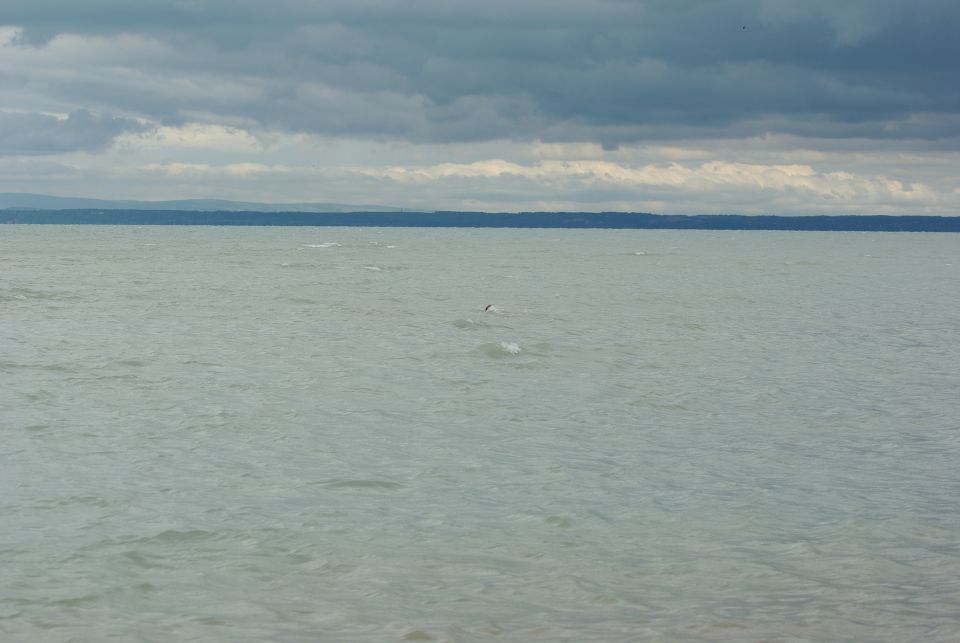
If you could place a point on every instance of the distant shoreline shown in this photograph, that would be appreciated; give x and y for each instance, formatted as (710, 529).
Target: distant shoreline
(567, 220)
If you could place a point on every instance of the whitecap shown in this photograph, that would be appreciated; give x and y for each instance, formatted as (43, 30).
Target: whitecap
(499, 350)
(329, 244)
(373, 268)
(510, 347)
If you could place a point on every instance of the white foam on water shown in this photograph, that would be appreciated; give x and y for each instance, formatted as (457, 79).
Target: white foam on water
(329, 244)
(510, 347)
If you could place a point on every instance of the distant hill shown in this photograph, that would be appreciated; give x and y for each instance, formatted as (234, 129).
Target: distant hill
(24, 201)
(624, 220)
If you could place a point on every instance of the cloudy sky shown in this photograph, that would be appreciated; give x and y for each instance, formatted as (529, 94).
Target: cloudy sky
(673, 106)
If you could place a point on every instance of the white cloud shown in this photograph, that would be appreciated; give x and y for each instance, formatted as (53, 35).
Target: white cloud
(801, 188)
(204, 170)
(9, 35)
(194, 136)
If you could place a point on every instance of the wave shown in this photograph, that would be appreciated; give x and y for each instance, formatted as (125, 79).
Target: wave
(20, 293)
(510, 347)
(474, 324)
(500, 349)
(345, 483)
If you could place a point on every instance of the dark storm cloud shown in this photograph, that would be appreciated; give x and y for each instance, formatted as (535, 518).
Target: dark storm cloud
(37, 134)
(613, 71)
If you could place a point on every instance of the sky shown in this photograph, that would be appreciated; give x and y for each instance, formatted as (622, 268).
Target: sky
(666, 106)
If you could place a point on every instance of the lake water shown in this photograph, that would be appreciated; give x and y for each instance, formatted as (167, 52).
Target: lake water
(318, 434)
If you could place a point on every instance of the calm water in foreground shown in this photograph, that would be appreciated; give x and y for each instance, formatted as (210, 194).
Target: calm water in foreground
(302, 434)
